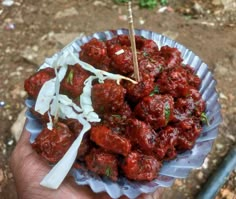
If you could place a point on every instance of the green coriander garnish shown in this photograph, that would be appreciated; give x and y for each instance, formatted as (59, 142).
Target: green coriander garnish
(167, 111)
(161, 67)
(155, 91)
(145, 54)
(108, 171)
(117, 116)
(70, 76)
(77, 99)
(204, 119)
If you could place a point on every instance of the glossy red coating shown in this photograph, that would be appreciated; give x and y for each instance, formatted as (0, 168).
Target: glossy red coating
(102, 163)
(141, 124)
(138, 166)
(53, 144)
(34, 83)
(73, 83)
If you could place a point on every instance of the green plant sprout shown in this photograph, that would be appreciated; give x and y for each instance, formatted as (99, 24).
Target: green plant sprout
(145, 3)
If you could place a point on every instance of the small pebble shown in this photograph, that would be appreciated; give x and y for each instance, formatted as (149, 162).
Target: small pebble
(10, 26)
(2, 103)
(214, 162)
(4, 151)
(231, 137)
(200, 175)
(20, 68)
(223, 96)
(35, 48)
(219, 146)
(7, 3)
(123, 17)
(141, 21)
(10, 142)
(6, 82)
(205, 163)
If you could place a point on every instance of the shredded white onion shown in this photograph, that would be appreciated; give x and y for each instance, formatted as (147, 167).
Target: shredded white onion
(119, 52)
(100, 74)
(48, 91)
(58, 173)
(56, 104)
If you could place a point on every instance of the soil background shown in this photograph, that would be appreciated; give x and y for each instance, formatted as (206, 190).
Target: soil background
(32, 30)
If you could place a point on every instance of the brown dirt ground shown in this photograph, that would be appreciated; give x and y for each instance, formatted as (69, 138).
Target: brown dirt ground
(40, 28)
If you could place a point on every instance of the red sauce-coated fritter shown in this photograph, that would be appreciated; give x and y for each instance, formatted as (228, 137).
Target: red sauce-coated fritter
(102, 163)
(35, 82)
(110, 141)
(174, 82)
(141, 125)
(95, 53)
(156, 110)
(108, 96)
(53, 144)
(138, 166)
(141, 89)
(141, 135)
(165, 143)
(73, 83)
(189, 129)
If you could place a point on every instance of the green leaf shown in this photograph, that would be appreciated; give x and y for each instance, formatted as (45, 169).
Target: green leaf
(70, 76)
(145, 54)
(77, 100)
(121, 1)
(117, 116)
(204, 119)
(147, 3)
(150, 4)
(164, 2)
(108, 171)
(167, 111)
(155, 91)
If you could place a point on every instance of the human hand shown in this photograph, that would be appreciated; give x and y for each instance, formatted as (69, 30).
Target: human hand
(29, 169)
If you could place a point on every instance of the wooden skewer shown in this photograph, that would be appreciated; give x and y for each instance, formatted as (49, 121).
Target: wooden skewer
(133, 44)
(57, 88)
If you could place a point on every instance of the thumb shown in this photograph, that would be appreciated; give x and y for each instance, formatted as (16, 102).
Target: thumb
(25, 136)
(24, 142)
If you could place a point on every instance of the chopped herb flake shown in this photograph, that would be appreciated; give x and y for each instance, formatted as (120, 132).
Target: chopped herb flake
(145, 54)
(70, 76)
(204, 119)
(77, 99)
(160, 67)
(108, 171)
(155, 91)
(117, 116)
(167, 111)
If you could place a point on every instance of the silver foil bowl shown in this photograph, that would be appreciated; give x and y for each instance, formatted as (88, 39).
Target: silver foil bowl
(177, 168)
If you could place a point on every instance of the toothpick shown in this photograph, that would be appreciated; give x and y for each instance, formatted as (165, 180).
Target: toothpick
(133, 44)
(57, 89)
